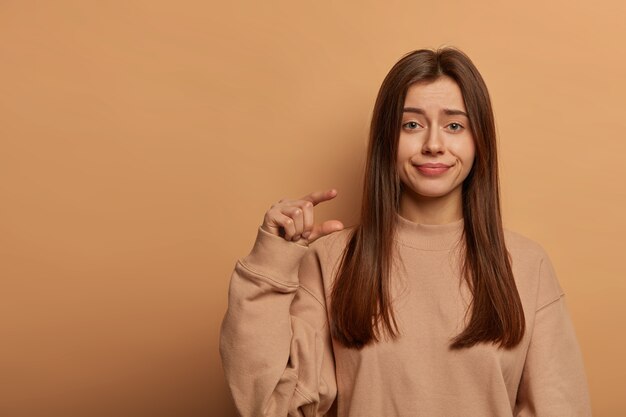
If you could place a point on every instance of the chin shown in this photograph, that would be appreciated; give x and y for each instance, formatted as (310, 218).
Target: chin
(432, 193)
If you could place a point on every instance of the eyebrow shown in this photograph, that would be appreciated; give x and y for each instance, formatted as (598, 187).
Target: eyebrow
(450, 112)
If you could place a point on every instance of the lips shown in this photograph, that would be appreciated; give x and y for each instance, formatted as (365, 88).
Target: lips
(432, 165)
(432, 169)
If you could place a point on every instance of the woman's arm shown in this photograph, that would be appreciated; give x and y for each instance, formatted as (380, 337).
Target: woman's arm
(274, 340)
(553, 381)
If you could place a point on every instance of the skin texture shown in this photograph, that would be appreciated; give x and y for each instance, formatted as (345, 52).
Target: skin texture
(434, 137)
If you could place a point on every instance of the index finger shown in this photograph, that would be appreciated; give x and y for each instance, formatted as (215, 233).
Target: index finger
(318, 196)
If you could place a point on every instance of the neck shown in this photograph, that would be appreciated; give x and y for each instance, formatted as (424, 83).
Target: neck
(431, 210)
(428, 236)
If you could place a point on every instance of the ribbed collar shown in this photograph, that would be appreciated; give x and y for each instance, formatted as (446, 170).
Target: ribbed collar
(428, 236)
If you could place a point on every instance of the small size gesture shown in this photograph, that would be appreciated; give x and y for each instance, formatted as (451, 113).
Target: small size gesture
(293, 219)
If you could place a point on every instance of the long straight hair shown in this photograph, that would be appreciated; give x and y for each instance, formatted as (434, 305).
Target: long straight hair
(360, 296)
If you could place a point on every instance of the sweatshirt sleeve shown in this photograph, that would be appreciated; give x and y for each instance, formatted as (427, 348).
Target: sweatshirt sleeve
(553, 381)
(275, 343)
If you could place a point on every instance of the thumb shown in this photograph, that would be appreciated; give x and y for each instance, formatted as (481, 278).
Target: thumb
(326, 228)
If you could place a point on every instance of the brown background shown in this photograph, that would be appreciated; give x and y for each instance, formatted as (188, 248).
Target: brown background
(142, 142)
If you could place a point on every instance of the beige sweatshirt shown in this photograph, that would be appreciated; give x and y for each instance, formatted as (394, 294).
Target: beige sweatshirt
(280, 360)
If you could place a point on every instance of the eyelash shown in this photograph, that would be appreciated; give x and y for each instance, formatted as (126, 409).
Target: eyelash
(453, 123)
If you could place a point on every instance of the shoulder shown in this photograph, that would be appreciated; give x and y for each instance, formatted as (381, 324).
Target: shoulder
(330, 248)
(527, 254)
(532, 267)
(338, 240)
(522, 246)
(333, 243)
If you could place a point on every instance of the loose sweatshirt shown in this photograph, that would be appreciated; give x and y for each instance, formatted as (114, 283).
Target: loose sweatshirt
(279, 358)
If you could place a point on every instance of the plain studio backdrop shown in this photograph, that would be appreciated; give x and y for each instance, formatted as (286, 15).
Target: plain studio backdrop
(141, 142)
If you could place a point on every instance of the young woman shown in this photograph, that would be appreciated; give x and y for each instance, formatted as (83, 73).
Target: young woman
(428, 306)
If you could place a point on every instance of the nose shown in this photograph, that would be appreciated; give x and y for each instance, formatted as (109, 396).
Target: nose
(434, 143)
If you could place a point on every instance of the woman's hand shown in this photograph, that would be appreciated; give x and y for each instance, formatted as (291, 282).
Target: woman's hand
(293, 219)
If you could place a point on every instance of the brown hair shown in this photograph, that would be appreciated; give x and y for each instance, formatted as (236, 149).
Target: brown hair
(360, 298)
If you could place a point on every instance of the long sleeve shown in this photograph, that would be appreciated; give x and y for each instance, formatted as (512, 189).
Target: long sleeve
(553, 381)
(275, 343)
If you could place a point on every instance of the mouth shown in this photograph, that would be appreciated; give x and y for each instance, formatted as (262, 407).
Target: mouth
(432, 170)
(432, 165)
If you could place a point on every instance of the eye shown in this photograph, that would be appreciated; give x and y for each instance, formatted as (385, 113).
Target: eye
(459, 127)
(412, 124)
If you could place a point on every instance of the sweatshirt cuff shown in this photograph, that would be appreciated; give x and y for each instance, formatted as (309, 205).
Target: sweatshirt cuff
(275, 257)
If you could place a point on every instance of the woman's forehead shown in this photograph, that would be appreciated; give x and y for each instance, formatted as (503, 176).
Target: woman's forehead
(435, 95)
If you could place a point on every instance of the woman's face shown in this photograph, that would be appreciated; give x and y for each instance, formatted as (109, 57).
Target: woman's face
(435, 130)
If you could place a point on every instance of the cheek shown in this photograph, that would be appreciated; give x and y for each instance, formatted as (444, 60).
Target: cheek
(465, 151)
(408, 146)
(468, 157)
(404, 152)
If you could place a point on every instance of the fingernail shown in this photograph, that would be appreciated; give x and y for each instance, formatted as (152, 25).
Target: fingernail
(306, 234)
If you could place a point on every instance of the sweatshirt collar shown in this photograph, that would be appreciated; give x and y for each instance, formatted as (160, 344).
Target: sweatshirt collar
(428, 236)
